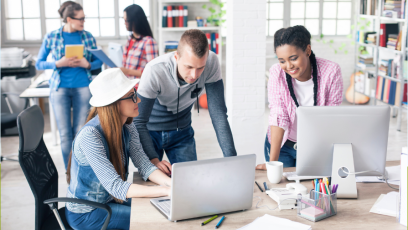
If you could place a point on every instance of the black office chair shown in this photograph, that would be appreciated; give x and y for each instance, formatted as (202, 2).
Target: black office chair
(41, 174)
(9, 120)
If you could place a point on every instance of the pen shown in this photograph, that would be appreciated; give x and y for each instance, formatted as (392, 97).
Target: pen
(219, 223)
(266, 187)
(258, 186)
(313, 183)
(209, 220)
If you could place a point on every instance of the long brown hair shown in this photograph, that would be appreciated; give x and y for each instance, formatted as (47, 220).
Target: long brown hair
(109, 118)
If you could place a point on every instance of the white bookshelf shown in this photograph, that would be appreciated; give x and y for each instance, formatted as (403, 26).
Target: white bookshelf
(377, 20)
(162, 31)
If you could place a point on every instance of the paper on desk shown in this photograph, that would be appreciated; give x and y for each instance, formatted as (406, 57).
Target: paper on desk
(386, 204)
(268, 222)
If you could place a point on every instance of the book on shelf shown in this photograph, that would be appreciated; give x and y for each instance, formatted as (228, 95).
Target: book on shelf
(368, 7)
(366, 67)
(175, 16)
(213, 41)
(389, 91)
(169, 16)
(386, 30)
(185, 14)
(170, 46)
(394, 9)
(164, 17)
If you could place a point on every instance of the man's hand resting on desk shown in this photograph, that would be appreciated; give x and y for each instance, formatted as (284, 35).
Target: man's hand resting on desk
(261, 167)
(164, 166)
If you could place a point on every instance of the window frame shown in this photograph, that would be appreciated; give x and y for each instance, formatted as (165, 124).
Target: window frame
(287, 9)
(5, 42)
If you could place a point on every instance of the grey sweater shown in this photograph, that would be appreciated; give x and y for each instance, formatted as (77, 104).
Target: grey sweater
(166, 105)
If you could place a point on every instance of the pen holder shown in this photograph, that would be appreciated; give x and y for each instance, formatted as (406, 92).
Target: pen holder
(317, 206)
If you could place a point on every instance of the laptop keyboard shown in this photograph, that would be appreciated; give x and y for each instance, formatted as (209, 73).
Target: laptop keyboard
(165, 205)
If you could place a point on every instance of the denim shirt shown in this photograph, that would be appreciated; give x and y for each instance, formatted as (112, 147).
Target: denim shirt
(84, 183)
(55, 42)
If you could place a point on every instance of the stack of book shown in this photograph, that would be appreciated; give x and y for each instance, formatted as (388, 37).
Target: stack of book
(394, 9)
(371, 39)
(365, 62)
(174, 16)
(170, 46)
(385, 67)
(213, 41)
(392, 41)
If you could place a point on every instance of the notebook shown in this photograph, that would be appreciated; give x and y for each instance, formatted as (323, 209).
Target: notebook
(74, 51)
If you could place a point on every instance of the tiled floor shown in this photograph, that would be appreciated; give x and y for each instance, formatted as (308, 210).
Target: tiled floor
(17, 201)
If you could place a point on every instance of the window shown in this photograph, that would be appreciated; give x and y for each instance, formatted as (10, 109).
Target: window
(30, 20)
(22, 19)
(327, 17)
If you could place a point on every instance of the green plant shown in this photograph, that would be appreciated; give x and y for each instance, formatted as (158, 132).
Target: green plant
(217, 13)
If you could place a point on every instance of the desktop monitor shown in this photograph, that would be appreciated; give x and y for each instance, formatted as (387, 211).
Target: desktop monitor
(319, 128)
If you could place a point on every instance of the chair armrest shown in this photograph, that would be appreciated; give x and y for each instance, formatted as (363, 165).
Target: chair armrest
(105, 207)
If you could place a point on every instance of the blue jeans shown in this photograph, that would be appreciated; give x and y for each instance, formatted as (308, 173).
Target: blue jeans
(62, 101)
(120, 218)
(287, 154)
(179, 145)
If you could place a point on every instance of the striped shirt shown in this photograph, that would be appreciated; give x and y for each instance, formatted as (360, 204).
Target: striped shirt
(283, 108)
(139, 54)
(89, 144)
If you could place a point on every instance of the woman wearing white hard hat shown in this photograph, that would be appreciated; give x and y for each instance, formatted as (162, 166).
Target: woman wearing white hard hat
(99, 161)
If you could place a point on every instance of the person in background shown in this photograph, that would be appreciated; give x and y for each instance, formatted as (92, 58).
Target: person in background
(69, 83)
(99, 162)
(299, 79)
(141, 47)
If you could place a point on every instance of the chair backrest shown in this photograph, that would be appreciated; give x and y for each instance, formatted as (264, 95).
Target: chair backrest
(36, 162)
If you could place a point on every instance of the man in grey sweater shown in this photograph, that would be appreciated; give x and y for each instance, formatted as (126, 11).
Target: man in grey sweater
(169, 86)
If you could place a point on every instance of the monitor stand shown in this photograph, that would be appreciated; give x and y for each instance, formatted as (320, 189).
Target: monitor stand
(343, 157)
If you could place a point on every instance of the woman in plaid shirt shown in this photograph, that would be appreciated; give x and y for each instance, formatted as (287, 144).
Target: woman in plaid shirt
(69, 83)
(141, 47)
(299, 79)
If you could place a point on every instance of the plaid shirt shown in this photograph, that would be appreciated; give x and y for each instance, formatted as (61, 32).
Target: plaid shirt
(55, 43)
(283, 108)
(137, 56)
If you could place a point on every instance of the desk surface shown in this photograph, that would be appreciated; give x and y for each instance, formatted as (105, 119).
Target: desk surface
(351, 213)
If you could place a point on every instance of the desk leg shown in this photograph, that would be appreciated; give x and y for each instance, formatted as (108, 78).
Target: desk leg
(53, 124)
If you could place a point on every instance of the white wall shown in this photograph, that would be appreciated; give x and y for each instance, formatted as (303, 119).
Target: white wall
(245, 75)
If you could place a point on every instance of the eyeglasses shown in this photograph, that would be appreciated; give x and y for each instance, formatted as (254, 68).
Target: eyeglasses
(133, 97)
(79, 19)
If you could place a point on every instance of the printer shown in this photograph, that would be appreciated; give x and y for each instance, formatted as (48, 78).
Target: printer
(11, 57)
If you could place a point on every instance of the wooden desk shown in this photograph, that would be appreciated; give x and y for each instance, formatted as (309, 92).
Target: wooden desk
(351, 213)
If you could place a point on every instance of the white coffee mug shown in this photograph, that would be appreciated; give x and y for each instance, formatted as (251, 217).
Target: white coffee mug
(274, 171)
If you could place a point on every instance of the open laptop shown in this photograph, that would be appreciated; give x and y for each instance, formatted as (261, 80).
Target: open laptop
(209, 187)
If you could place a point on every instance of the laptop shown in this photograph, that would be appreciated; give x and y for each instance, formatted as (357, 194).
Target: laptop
(209, 187)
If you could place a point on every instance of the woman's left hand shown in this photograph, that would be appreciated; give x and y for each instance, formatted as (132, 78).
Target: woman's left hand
(84, 63)
(125, 70)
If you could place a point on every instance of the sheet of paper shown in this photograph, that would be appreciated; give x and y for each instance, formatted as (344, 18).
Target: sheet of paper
(386, 204)
(268, 222)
